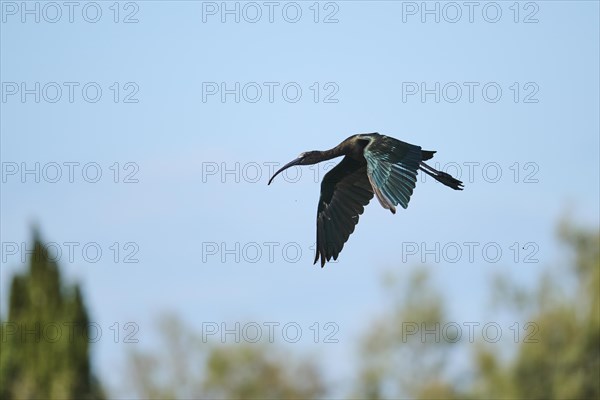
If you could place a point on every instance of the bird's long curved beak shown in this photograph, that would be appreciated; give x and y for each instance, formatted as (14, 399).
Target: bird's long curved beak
(286, 166)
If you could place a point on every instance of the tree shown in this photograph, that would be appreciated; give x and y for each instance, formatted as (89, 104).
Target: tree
(563, 361)
(399, 358)
(188, 367)
(45, 346)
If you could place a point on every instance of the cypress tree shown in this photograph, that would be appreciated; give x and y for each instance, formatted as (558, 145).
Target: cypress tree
(44, 342)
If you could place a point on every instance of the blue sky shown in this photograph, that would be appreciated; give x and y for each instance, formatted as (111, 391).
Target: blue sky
(540, 133)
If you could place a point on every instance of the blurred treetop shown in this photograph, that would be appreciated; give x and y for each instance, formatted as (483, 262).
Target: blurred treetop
(45, 342)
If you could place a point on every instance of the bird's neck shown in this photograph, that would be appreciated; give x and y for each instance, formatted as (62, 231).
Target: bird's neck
(331, 153)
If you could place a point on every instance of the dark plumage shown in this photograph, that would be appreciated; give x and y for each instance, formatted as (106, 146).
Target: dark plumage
(374, 164)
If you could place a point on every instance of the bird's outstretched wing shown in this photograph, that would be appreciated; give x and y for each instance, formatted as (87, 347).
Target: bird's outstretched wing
(345, 191)
(392, 167)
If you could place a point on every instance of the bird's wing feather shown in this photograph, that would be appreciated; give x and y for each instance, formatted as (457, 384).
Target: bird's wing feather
(345, 191)
(392, 167)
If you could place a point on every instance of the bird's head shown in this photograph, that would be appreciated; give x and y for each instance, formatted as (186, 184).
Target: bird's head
(306, 158)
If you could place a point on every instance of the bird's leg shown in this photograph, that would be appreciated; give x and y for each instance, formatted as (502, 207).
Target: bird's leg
(425, 166)
(427, 172)
(441, 177)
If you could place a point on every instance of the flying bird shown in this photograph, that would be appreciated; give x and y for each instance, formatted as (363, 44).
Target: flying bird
(373, 164)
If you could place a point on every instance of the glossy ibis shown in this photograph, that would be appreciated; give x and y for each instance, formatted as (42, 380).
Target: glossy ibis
(373, 164)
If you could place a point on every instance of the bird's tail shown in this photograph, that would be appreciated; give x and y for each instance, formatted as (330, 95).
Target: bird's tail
(442, 177)
(427, 154)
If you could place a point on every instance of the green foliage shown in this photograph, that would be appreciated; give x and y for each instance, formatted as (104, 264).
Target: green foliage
(395, 361)
(562, 363)
(189, 368)
(45, 351)
(251, 372)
